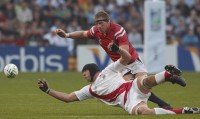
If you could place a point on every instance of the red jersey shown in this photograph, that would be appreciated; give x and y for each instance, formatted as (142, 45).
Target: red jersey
(116, 34)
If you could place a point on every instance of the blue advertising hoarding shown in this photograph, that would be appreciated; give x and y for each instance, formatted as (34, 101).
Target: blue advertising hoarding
(35, 59)
(44, 59)
(189, 58)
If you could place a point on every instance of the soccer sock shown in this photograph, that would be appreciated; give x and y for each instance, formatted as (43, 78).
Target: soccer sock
(177, 111)
(157, 100)
(159, 111)
(166, 111)
(160, 77)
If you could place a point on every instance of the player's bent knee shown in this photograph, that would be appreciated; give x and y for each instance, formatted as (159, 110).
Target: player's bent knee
(142, 110)
(141, 87)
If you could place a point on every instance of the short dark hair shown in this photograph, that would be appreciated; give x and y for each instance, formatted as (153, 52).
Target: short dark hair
(102, 14)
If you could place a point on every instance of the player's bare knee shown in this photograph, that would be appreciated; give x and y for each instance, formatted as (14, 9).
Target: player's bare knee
(143, 110)
(148, 82)
(140, 110)
(142, 86)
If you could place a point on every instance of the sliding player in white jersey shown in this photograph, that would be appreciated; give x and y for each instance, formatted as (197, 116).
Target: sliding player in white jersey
(109, 87)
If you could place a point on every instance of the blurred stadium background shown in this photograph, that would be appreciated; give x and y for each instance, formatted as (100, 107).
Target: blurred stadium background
(27, 40)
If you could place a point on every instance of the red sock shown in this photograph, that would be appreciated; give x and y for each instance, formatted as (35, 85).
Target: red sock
(167, 74)
(162, 76)
(177, 111)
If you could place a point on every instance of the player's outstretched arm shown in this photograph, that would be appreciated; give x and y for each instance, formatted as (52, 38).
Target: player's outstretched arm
(74, 35)
(125, 56)
(56, 94)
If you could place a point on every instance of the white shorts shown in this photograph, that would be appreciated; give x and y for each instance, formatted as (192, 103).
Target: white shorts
(135, 67)
(134, 97)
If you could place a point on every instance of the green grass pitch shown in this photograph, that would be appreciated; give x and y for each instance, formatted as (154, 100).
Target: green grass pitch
(20, 98)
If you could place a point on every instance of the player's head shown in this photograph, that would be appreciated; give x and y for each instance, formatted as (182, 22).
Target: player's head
(102, 16)
(92, 68)
(102, 21)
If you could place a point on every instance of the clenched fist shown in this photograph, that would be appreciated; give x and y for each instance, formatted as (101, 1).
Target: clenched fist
(61, 33)
(113, 47)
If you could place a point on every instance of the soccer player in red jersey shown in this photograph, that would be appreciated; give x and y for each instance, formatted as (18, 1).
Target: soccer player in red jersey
(106, 32)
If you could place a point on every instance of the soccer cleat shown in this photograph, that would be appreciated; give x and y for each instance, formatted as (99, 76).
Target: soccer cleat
(175, 78)
(173, 70)
(178, 80)
(191, 110)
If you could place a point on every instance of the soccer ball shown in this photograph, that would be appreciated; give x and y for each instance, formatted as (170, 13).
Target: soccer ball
(11, 70)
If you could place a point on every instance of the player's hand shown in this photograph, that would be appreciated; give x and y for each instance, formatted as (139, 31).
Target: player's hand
(61, 33)
(43, 86)
(113, 47)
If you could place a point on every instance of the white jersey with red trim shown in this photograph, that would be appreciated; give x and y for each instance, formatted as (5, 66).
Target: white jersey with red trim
(109, 87)
(112, 89)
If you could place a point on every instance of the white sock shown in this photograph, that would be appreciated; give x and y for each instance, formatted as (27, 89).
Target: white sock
(159, 111)
(160, 77)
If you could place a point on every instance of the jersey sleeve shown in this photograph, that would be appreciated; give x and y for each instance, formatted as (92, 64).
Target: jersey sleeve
(83, 93)
(121, 36)
(115, 66)
(90, 33)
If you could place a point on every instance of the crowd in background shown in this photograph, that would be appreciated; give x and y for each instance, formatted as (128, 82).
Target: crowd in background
(32, 22)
